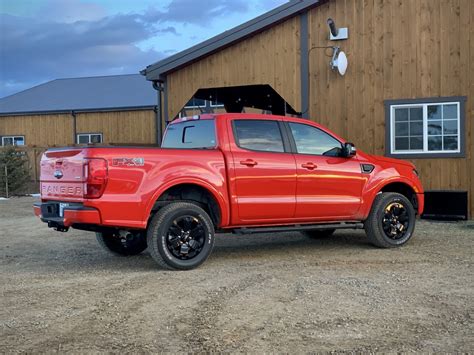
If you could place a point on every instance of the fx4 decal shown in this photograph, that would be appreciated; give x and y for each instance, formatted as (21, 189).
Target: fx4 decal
(128, 161)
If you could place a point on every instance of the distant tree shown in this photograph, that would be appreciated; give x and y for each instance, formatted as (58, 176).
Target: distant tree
(17, 174)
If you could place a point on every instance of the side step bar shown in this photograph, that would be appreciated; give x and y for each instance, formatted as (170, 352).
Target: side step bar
(299, 227)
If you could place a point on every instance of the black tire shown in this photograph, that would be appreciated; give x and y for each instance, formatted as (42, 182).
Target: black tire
(391, 221)
(180, 236)
(319, 233)
(122, 244)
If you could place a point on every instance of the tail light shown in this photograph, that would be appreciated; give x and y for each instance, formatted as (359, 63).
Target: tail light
(96, 175)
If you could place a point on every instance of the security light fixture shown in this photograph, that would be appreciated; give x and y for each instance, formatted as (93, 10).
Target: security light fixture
(337, 34)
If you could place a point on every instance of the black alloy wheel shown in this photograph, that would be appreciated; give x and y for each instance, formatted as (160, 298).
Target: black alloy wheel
(180, 236)
(395, 221)
(185, 238)
(391, 221)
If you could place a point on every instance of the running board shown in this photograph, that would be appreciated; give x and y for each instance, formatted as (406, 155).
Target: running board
(299, 227)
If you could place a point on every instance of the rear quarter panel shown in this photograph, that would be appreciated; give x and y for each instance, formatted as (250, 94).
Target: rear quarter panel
(132, 190)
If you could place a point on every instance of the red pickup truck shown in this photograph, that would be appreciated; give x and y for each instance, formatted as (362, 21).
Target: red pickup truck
(240, 173)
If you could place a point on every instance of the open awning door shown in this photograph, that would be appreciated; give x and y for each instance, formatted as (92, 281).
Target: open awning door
(236, 98)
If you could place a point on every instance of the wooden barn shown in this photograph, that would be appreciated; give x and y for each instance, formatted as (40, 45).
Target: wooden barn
(117, 110)
(109, 109)
(407, 92)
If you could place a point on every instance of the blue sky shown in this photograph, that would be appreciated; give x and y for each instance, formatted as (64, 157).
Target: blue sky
(41, 40)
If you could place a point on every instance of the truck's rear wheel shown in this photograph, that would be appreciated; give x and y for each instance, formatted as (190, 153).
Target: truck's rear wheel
(180, 236)
(122, 244)
(391, 221)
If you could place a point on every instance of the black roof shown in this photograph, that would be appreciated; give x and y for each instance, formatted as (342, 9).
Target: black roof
(117, 92)
(158, 70)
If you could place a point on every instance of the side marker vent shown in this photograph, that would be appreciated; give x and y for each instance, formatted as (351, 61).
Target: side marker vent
(367, 168)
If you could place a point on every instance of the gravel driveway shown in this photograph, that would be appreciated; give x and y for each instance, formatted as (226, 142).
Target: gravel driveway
(258, 293)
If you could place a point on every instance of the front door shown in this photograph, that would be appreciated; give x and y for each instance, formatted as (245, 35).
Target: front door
(328, 186)
(265, 171)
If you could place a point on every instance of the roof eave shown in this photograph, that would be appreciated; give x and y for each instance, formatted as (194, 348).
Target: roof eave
(84, 110)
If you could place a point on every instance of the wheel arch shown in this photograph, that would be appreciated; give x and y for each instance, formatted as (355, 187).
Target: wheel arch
(193, 190)
(404, 189)
(398, 185)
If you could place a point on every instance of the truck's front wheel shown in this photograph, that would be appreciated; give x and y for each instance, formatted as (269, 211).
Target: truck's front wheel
(391, 221)
(180, 236)
(126, 244)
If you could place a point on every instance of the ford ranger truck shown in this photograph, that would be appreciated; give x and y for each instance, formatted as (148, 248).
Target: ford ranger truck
(241, 173)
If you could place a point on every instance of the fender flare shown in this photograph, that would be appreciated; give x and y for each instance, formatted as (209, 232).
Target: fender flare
(374, 190)
(222, 203)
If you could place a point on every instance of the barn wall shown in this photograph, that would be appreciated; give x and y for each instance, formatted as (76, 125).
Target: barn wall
(39, 130)
(396, 50)
(271, 57)
(128, 127)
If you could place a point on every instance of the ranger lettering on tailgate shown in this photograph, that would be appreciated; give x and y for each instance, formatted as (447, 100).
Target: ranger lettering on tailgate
(61, 189)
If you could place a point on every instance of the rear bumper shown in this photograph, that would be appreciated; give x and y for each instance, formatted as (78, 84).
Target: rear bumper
(66, 216)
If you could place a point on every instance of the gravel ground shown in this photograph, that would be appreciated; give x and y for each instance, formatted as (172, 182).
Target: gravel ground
(258, 293)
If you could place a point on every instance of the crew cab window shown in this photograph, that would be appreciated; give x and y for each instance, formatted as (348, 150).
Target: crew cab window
(195, 134)
(311, 140)
(261, 135)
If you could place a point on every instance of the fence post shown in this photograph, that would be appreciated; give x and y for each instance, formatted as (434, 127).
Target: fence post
(6, 181)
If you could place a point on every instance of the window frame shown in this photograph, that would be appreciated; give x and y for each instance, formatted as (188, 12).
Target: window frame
(192, 107)
(295, 147)
(13, 136)
(90, 134)
(283, 133)
(390, 106)
(215, 147)
(215, 105)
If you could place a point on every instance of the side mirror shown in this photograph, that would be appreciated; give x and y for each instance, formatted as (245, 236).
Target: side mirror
(348, 150)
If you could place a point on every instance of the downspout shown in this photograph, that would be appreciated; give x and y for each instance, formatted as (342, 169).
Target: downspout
(158, 112)
(74, 127)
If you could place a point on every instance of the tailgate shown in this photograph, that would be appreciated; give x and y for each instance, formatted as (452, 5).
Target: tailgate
(62, 175)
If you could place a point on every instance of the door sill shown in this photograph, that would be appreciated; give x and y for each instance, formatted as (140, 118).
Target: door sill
(299, 227)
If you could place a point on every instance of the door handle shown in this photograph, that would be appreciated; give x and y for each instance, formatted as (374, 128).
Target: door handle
(309, 166)
(249, 162)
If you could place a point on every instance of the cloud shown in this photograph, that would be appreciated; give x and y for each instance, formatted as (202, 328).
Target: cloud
(72, 38)
(69, 11)
(196, 12)
(35, 50)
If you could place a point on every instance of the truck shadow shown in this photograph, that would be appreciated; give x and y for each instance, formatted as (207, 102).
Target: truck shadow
(229, 246)
(85, 254)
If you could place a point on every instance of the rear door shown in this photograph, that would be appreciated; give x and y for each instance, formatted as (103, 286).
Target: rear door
(328, 186)
(265, 171)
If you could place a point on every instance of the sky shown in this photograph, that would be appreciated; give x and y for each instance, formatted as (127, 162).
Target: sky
(42, 40)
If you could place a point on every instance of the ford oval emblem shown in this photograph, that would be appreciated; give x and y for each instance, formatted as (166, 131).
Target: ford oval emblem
(58, 174)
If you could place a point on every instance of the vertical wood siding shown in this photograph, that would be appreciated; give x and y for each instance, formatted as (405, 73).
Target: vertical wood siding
(271, 57)
(39, 130)
(127, 127)
(397, 49)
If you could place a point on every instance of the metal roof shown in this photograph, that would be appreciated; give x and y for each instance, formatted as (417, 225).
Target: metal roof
(98, 93)
(158, 70)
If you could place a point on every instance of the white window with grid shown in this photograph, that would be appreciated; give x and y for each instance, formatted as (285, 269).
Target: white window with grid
(13, 140)
(431, 128)
(89, 138)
